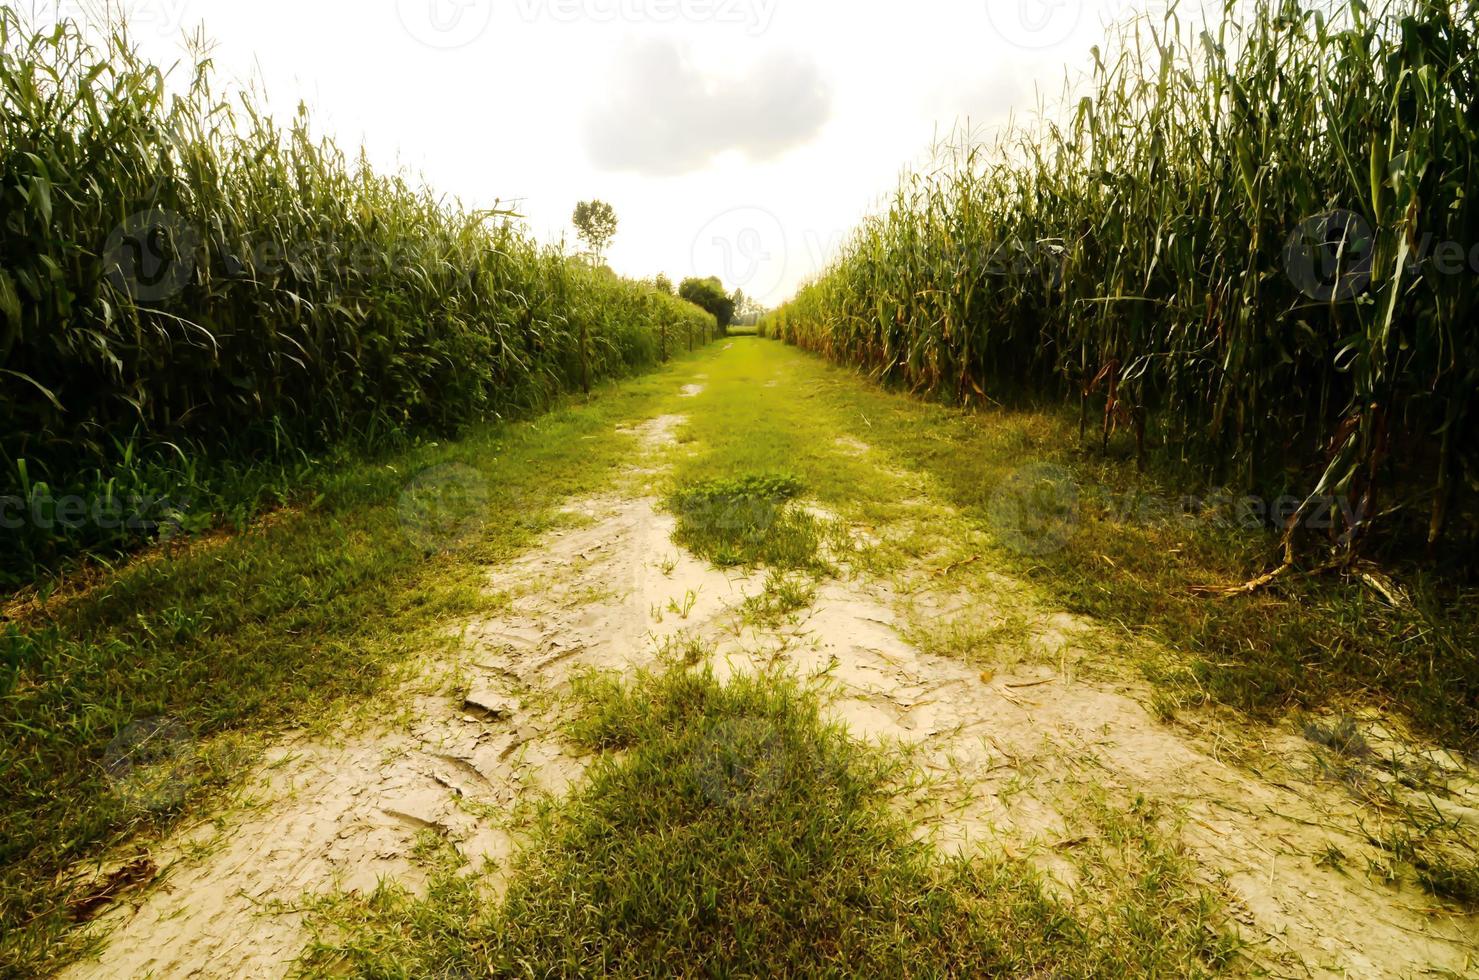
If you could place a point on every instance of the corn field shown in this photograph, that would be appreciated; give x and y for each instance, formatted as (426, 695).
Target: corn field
(1253, 243)
(181, 275)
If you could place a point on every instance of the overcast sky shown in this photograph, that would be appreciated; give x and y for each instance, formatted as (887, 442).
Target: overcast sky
(740, 138)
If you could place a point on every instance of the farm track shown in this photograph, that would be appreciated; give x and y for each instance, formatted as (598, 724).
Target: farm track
(1007, 756)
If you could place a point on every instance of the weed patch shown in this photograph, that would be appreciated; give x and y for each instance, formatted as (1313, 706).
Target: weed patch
(746, 521)
(782, 596)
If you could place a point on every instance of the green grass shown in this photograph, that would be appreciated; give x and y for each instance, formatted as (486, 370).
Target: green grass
(1106, 542)
(746, 521)
(1113, 546)
(320, 608)
(1120, 553)
(293, 622)
(704, 841)
(726, 830)
(781, 597)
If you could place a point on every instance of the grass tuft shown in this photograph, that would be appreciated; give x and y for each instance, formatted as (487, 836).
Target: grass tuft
(746, 521)
(1341, 736)
(782, 596)
(735, 833)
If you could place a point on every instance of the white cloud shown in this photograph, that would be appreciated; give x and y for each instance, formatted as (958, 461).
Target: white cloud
(665, 115)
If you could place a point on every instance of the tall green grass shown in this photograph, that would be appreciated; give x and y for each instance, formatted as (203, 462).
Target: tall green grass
(290, 297)
(1164, 252)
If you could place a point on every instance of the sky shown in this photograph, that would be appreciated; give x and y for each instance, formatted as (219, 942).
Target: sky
(737, 138)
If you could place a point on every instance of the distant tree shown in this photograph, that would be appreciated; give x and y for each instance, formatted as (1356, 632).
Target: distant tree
(748, 307)
(747, 312)
(709, 293)
(595, 223)
(663, 284)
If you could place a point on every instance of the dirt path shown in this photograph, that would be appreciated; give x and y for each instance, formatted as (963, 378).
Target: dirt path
(1009, 751)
